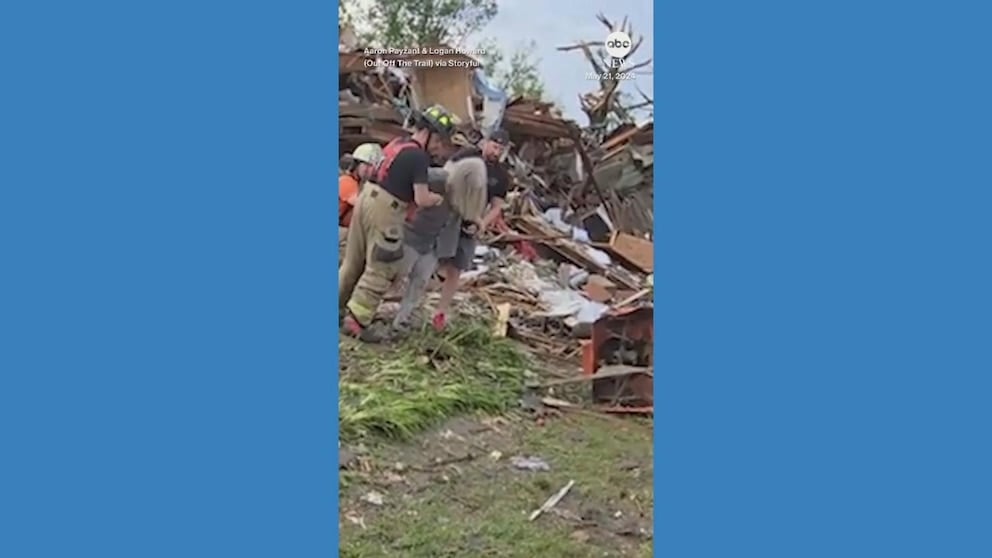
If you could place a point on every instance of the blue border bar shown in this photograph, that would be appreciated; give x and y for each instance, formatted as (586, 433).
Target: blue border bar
(823, 286)
(168, 343)
(167, 360)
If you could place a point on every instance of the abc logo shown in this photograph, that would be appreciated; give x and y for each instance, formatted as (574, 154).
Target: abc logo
(618, 44)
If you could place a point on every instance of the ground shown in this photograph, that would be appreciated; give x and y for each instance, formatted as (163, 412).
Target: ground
(433, 434)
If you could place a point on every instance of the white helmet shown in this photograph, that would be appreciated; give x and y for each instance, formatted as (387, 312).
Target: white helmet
(369, 153)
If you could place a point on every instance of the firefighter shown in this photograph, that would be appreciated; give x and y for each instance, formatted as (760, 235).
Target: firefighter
(457, 251)
(356, 168)
(374, 249)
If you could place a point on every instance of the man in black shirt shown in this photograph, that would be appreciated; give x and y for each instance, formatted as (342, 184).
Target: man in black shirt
(456, 255)
(374, 247)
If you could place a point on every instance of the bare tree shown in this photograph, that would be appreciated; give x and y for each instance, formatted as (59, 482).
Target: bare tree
(609, 104)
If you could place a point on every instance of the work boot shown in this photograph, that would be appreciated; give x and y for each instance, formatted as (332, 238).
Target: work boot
(352, 328)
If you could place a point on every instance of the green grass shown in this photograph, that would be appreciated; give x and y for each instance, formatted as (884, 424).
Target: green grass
(397, 391)
(391, 395)
(483, 511)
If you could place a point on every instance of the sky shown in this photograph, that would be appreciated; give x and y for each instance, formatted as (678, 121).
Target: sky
(554, 24)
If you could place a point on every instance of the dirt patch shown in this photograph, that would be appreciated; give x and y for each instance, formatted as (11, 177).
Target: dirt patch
(460, 490)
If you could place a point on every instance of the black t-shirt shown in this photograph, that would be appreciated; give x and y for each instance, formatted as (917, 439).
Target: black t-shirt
(408, 168)
(498, 180)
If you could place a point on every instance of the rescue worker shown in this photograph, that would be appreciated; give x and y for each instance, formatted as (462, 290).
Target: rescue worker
(356, 169)
(374, 249)
(463, 184)
(457, 252)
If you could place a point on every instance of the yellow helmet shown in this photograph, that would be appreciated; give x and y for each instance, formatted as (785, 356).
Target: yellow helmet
(370, 153)
(439, 120)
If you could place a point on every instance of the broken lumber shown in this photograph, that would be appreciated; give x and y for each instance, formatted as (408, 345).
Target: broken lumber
(638, 251)
(552, 501)
(502, 320)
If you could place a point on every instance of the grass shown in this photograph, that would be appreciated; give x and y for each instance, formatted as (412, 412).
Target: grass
(392, 395)
(395, 392)
(482, 510)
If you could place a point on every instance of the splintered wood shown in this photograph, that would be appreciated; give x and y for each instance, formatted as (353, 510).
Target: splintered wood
(637, 251)
(574, 252)
(517, 315)
(552, 501)
(502, 319)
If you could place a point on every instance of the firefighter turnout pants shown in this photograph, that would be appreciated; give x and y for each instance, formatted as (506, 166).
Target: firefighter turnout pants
(373, 254)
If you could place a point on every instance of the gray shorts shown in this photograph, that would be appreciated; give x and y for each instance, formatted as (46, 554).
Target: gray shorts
(454, 248)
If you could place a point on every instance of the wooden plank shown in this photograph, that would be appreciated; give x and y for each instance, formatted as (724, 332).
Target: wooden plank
(447, 86)
(609, 371)
(619, 139)
(637, 251)
(502, 319)
(370, 111)
(632, 298)
(352, 122)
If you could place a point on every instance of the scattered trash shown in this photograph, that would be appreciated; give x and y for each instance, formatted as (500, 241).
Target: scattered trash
(496, 455)
(374, 498)
(482, 250)
(355, 520)
(530, 463)
(393, 478)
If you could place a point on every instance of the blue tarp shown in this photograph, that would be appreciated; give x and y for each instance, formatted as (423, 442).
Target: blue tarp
(493, 104)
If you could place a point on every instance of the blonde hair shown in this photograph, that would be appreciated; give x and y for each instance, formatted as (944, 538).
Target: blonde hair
(466, 188)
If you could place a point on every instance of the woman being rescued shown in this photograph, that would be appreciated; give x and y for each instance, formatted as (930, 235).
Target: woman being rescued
(432, 232)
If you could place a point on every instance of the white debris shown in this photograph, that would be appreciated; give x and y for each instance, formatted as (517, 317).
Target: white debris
(374, 498)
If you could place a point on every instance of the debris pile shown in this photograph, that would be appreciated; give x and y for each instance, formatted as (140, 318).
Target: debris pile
(575, 243)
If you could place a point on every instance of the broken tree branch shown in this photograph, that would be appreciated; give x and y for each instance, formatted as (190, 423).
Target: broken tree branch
(577, 46)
